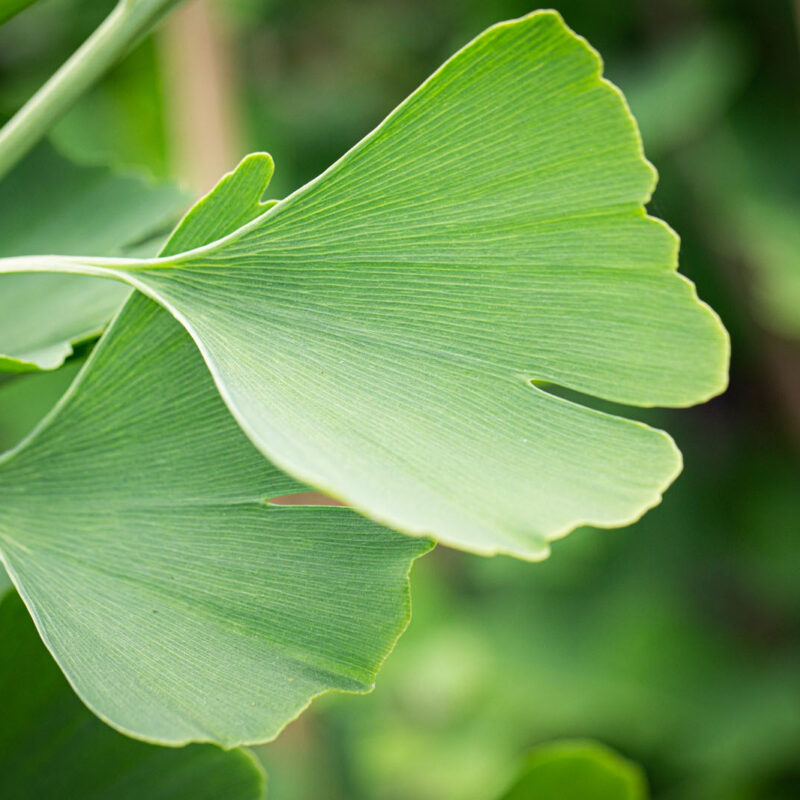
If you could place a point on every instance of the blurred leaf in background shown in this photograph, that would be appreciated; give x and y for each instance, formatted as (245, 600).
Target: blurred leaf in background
(750, 179)
(25, 400)
(681, 90)
(575, 770)
(8, 8)
(51, 205)
(53, 747)
(119, 122)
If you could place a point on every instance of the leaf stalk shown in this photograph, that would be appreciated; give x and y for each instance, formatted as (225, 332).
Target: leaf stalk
(103, 267)
(121, 28)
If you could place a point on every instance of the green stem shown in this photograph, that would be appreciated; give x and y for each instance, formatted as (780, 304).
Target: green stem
(82, 265)
(128, 20)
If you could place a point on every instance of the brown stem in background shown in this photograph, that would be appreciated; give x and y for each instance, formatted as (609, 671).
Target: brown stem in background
(797, 18)
(304, 499)
(200, 92)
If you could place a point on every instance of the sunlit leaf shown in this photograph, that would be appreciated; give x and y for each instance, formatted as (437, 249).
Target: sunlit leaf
(51, 746)
(388, 332)
(135, 524)
(578, 771)
(50, 205)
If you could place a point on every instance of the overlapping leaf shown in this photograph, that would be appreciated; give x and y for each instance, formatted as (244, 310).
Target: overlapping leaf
(135, 524)
(51, 205)
(387, 332)
(51, 747)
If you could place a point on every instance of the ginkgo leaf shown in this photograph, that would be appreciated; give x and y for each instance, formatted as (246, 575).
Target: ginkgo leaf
(42, 317)
(134, 522)
(387, 332)
(51, 205)
(52, 747)
(578, 770)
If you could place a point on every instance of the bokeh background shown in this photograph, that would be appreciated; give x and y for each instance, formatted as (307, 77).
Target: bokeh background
(677, 640)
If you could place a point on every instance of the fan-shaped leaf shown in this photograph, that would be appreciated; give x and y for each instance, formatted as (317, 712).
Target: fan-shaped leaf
(387, 332)
(135, 524)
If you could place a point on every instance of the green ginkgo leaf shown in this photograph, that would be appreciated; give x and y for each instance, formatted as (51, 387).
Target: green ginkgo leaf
(387, 332)
(578, 770)
(134, 522)
(51, 205)
(42, 317)
(53, 748)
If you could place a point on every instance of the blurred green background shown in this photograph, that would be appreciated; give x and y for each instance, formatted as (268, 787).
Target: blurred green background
(675, 641)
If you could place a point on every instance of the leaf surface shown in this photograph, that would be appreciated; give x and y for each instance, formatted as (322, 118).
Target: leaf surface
(51, 746)
(51, 205)
(135, 524)
(388, 332)
(576, 770)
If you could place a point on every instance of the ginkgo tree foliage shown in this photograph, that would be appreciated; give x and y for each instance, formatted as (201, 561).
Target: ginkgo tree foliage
(141, 537)
(394, 333)
(395, 314)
